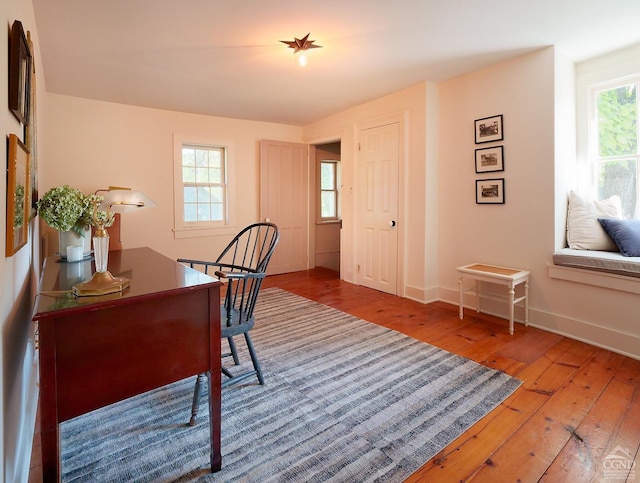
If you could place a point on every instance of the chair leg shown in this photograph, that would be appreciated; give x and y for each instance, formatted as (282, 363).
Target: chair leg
(195, 405)
(254, 358)
(234, 351)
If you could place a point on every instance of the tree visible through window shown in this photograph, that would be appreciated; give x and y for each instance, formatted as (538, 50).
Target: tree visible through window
(614, 146)
(203, 180)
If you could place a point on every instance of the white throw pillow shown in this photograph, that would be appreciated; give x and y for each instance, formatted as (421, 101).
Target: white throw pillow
(584, 231)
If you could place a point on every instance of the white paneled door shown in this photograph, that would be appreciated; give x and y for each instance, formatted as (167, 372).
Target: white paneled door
(377, 238)
(284, 200)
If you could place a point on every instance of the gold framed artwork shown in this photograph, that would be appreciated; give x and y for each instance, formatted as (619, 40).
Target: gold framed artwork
(18, 195)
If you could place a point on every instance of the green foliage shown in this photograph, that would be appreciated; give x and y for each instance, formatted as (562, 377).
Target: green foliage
(18, 220)
(617, 118)
(65, 208)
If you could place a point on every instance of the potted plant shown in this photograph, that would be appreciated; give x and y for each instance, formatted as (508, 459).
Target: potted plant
(72, 213)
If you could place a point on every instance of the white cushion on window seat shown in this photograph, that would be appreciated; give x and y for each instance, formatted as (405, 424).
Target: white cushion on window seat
(601, 261)
(584, 232)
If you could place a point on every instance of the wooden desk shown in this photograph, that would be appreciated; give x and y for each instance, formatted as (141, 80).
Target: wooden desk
(95, 351)
(510, 277)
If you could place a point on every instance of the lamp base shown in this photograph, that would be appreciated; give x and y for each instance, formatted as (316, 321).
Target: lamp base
(101, 283)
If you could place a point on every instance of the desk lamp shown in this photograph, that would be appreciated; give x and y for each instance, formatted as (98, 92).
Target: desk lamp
(117, 200)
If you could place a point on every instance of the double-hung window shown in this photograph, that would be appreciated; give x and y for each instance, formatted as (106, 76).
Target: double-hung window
(203, 183)
(202, 188)
(614, 154)
(329, 195)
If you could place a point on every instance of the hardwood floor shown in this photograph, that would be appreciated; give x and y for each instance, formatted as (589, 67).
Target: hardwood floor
(578, 404)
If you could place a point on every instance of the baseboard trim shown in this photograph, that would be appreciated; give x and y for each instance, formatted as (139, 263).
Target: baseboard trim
(596, 335)
(422, 295)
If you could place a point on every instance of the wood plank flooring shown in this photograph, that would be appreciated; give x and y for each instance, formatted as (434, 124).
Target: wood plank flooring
(578, 404)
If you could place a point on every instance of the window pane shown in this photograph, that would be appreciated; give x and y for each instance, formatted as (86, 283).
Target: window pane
(204, 194)
(217, 212)
(202, 175)
(188, 175)
(201, 157)
(619, 178)
(190, 194)
(215, 158)
(217, 194)
(328, 200)
(204, 212)
(190, 212)
(617, 118)
(327, 176)
(215, 175)
(188, 157)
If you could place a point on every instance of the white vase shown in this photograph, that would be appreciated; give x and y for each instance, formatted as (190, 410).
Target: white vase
(71, 238)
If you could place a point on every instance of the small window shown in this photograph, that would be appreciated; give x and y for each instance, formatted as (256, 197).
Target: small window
(203, 188)
(329, 182)
(203, 181)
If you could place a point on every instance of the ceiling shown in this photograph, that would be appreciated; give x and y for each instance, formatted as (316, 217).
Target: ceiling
(224, 57)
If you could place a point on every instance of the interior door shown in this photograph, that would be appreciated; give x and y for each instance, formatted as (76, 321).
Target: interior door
(284, 200)
(377, 238)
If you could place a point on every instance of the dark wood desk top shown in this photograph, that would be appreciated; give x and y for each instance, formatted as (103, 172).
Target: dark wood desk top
(150, 273)
(95, 351)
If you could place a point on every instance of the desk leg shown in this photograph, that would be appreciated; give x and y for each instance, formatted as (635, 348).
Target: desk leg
(50, 445)
(49, 431)
(460, 296)
(215, 408)
(511, 307)
(478, 296)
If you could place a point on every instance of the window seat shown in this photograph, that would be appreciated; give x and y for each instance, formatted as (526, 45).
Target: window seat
(601, 261)
(604, 269)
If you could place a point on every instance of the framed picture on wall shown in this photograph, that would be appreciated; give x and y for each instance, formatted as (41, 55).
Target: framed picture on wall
(490, 191)
(488, 129)
(490, 159)
(18, 204)
(19, 74)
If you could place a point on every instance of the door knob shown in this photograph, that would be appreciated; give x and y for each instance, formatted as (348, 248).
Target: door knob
(392, 223)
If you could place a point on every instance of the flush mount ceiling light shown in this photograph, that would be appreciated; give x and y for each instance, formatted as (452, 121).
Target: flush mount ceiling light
(300, 47)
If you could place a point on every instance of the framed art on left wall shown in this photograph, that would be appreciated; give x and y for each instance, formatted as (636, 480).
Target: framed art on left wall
(20, 60)
(18, 194)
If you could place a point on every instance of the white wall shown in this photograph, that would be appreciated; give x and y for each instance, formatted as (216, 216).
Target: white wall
(519, 233)
(535, 94)
(92, 144)
(411, 106)
(18, 275)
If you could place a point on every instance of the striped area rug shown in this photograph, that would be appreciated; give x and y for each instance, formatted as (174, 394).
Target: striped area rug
(345, 400)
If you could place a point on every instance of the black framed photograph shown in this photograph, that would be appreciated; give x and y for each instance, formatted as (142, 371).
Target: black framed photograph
(18, 204)
(490, 159)
(490, 191)
(19, 73)
(489, 129)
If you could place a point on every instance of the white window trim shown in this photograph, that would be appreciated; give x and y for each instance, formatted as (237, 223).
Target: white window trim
(600, 70)
(202, 229)
(319, 218)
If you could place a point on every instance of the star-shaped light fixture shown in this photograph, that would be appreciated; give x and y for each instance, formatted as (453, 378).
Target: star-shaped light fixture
(300, 46)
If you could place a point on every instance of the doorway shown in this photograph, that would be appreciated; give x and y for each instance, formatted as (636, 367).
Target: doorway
(328, 219)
